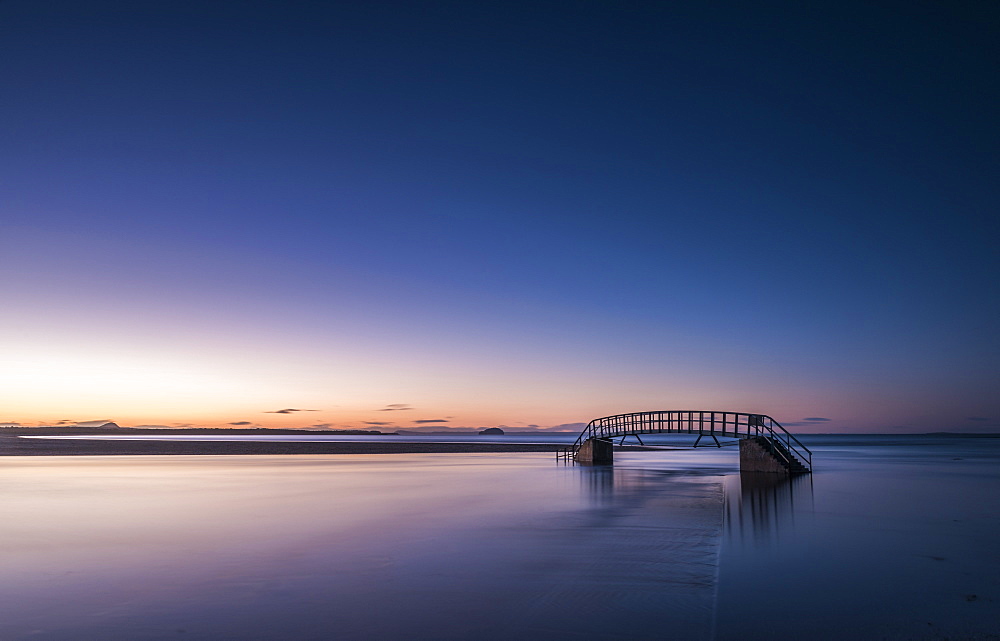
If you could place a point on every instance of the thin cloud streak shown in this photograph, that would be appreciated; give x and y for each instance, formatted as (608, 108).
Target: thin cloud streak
(395, 407)
(289, 411)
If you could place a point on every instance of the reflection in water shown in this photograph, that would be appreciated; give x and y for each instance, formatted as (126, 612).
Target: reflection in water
(353, 547)
(605, 484)
(899, 545)
(889, 539)
(760, 506)
(597, 482)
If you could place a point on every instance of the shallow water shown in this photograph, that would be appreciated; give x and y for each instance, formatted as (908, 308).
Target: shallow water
(890, 538)
(883, 541)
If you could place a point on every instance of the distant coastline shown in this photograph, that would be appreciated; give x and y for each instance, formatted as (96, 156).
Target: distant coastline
(11, 443)
(57, 430)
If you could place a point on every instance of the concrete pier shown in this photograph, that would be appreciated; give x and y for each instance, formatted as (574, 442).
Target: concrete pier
(595, 452)
(765, 446)
(754, 457)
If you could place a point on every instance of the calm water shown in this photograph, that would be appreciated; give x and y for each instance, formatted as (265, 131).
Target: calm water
(890, 538)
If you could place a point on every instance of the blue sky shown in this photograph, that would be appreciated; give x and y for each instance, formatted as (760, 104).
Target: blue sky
(506, 215)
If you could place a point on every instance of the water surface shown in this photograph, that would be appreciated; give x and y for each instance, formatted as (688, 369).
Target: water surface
(352, 547)
(890, 538)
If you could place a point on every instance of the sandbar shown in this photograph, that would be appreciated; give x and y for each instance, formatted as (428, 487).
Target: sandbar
(14, 446)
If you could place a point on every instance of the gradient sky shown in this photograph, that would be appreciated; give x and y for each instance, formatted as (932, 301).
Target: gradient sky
(519, 214)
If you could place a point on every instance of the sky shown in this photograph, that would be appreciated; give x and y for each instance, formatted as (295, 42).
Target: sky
(475, 214)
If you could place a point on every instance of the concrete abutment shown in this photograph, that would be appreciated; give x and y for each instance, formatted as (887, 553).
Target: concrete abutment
(754, 457)
(596, 451)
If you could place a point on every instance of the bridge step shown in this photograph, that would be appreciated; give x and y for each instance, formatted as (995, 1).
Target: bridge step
(779, 455)
(765, 446)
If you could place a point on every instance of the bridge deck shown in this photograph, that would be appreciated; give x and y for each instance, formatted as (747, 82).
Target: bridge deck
(760, 427)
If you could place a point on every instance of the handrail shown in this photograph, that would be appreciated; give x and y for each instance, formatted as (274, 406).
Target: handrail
(697, 422)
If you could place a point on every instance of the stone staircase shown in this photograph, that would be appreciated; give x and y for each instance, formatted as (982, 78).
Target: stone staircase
(788, 461)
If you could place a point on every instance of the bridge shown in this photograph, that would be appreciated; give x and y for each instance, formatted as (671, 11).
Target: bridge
(765, 446)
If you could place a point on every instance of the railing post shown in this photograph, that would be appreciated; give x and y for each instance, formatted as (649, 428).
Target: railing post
(779, 439)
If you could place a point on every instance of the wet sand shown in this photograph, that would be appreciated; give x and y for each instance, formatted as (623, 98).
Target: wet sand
(14, 446)
(422, 547)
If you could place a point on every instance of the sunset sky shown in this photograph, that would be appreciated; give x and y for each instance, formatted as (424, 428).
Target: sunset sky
(471, 214)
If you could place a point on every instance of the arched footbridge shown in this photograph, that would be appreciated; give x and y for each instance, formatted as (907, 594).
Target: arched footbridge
(765, 446)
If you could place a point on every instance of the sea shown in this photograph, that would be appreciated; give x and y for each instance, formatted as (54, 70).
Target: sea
(891, 537)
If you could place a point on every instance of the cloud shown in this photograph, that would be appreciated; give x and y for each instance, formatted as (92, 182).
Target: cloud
(431, 420)
(377, 422)
(567, 427)
(437, 427)
(977, 418)
(289, 411)
(319, 426)
(240, 423)
(183, 424)
(9, 424)
(816, 419)
(395, 407)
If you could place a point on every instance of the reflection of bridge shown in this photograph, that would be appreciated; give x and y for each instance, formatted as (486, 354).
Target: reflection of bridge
(765, 446)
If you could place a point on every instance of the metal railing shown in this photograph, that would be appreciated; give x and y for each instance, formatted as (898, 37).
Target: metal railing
(780, 441)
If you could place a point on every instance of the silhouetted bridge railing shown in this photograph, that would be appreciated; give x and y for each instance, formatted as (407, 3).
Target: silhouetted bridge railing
(765, 446)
